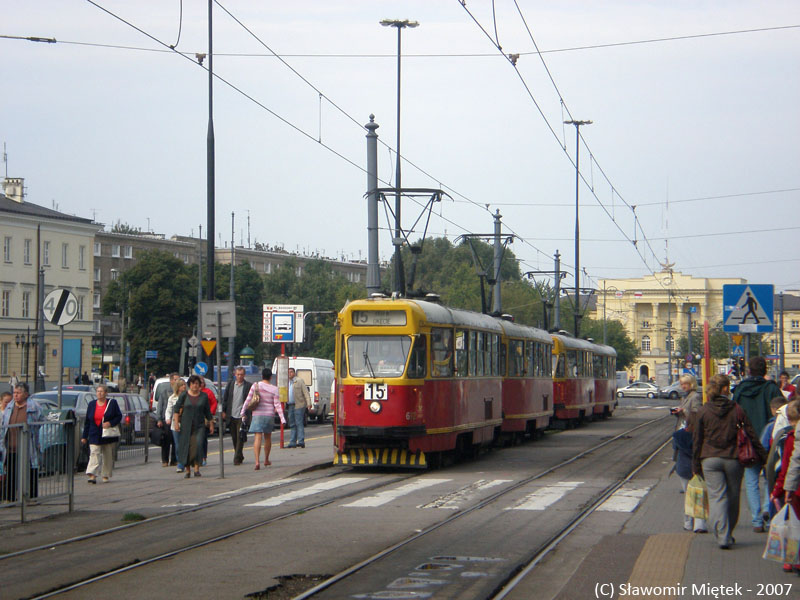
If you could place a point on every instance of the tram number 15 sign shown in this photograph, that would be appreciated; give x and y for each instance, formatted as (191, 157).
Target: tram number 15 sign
(375, 391)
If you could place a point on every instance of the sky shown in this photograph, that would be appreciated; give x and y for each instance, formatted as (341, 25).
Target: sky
(691, 157)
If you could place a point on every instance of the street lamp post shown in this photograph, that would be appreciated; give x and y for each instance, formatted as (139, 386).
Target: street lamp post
(399, 277)
(577, 226)
(24, 340)
(606, 289)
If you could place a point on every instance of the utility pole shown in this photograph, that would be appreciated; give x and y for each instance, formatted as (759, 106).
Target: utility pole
(577, 125)
(373, 268)
(210, 165)
(498, 257)
(781, 353)
(557, 301)
(232, 340)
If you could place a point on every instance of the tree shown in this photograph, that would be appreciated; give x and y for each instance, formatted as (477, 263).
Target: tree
(158, 296)
(248, 288)
(120, 227)
(617, 338)
(717, 340)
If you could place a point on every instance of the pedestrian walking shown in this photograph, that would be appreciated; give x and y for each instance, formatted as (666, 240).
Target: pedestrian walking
(13, 380)
(715, 456)
(22, 410)
(787, 389)
(232, 402)
(101, 432)
(168, 448)
(754, 394)
(263, 415)
(193, 412)
(178, 387)
(212, 403)
(691, 403)
(296, 405)
(778, 492)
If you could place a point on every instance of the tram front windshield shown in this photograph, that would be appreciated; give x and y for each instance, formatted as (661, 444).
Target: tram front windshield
(378, 355)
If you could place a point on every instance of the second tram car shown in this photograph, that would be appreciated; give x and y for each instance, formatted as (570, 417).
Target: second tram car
(528, 382)
(573, 384)
(414, 378)
(604, 369)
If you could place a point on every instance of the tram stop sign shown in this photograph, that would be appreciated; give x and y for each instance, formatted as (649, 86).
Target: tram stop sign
(60, 307)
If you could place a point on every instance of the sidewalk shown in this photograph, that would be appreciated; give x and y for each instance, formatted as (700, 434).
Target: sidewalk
(648, 555)
(150, 489)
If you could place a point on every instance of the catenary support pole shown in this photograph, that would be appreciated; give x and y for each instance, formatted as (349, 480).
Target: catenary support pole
(218, 416)
(373, 268)
(498, 255)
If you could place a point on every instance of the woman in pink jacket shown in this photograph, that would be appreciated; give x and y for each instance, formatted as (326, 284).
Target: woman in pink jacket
(263, 415)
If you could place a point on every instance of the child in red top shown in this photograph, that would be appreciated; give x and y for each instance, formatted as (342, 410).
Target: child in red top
(793, 414)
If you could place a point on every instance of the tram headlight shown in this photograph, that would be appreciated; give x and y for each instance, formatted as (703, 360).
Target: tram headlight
(375, 407)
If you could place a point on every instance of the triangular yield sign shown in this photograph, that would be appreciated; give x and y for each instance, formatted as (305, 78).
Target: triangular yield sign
(208, 346)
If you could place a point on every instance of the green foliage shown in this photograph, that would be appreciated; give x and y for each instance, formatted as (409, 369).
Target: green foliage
(159, 296)
(318, 289)
(617, 338)
(717, 340)
(120, 227)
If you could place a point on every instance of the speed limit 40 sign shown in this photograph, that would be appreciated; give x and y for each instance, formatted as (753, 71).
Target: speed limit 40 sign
(60, 307)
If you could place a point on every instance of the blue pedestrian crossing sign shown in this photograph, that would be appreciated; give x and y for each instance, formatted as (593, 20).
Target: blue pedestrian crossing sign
(737, 351)
(748, 308)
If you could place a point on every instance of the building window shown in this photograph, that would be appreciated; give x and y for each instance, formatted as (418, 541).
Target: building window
(646, 343)
(299, 271)
(645, 324)
(46, 254)
(96, 301)
(80, 307)
(795, 345)
(5, 303)
(128, 251)
(795, 324)
(26, 305)
(7, 249)
(97, 248)
(115, 250)
(97, 274)
(26, 252)
(64, 255)
(267, 268)
(4, 358)
(114, 274)
(773, 346)
(82, 258)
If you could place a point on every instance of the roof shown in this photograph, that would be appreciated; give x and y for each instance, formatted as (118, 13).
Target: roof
(790, 302)
(8, 205)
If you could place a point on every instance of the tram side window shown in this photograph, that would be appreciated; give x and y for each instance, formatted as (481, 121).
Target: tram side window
(561, 366)
(530, 359)
(572, 364)
(516, 358)
(343, 362)
(495, 354)
(538, 359)
(472, 348)
(461, 353)
(419, 358)
(481, 371)
(441, 352)
(548, 360)
(503, 351)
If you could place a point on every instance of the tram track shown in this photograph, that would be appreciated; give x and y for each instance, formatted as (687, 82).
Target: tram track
(74, 544)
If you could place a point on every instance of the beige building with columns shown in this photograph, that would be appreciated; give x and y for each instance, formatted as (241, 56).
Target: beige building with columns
(657, 310)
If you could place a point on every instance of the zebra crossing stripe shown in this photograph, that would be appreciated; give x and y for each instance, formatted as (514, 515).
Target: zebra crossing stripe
(308, 491)
(258, 486)
(544, 497)
(625, 499)
(385, 497)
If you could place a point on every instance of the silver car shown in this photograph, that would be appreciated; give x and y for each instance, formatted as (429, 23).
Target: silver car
(638, 389)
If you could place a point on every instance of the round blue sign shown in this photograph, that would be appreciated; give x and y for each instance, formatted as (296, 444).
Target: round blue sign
(201, 368)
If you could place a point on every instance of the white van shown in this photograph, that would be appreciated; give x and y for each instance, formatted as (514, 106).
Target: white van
(317, 373)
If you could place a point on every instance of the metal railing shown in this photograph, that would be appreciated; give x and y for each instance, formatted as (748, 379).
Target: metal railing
(134, 442)
(38, 464)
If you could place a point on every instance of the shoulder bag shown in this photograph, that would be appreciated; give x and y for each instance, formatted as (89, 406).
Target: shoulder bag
(744, 446)
(255, 399)
(110, 432)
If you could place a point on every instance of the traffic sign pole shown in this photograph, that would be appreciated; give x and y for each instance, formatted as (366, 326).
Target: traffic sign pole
(219, 401)
(60, 366)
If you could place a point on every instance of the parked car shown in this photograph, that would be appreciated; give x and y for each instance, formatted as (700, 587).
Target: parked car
(638, 389)
(77, 400)
(671, 391)
(134, 411)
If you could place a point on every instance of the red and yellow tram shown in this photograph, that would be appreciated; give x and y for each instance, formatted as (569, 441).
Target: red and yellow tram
(604, 371)
(573, 383)
(413, 378)
(528, 383)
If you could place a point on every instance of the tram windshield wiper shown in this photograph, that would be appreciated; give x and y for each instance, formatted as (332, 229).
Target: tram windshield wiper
(369, 364)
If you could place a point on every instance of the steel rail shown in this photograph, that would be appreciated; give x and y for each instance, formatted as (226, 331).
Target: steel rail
(486, 501)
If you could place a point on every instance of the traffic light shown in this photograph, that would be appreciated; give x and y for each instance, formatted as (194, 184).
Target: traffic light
(735, 368)
(742, 371)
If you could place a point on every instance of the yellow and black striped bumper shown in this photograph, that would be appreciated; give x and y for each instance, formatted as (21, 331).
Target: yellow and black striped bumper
(381, 457)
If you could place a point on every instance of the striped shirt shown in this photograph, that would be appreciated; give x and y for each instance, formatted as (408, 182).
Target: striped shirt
(269, 405)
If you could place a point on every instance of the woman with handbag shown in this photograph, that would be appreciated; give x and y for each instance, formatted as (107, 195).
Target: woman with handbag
(263, 403)
(192, 411)
(178, 387)
(724, 443)
(101, 432)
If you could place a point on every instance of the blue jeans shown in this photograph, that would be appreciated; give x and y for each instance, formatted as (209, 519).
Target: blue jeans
(298, 427)
(757, 496)
(176, 436)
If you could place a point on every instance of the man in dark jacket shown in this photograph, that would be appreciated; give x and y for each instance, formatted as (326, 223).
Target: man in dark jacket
(754, 395)
(235, 395)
